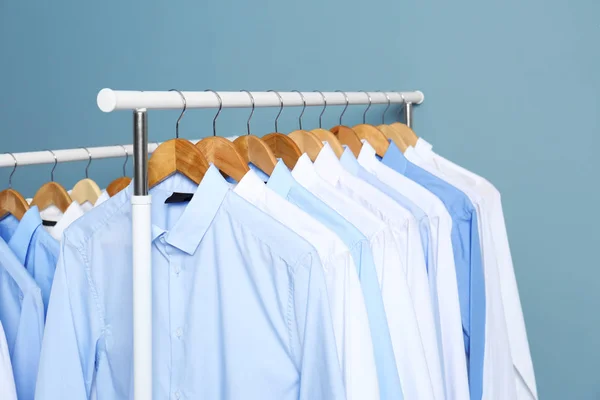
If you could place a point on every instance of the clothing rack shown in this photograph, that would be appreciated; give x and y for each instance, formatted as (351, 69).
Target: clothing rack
(139, 102)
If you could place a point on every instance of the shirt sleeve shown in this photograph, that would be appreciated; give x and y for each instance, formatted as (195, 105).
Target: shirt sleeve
(313, 342)
(68, 356)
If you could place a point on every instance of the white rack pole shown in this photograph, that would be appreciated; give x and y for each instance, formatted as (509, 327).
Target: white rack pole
(141, 204)
(111, 100)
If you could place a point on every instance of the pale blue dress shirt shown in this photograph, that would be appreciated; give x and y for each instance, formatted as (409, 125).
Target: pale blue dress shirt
(284, 184)
(240, 308)
(350, 163)
(22, 315)
(34, 247)
(467, 258)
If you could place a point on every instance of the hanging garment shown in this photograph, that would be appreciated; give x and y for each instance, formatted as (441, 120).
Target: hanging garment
(102, 198)
(33, 247)
(517, 333)
(282, 183)
(467, 258)
(406, 232)
(63, 221)
(442, 277)
(498, 373)
(22, 316)
(7, 380)
(350, 164)
(350, 320)
(239, 302)
(400, 310)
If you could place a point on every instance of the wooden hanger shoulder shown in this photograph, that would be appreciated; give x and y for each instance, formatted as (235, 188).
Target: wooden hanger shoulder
(308, 142)
(392, 134)
(283, 147)
(52, 193)
(11, 202)
(176, 155)
(409, 136)
(224, 155)
(374, 136)
(254, 150)
(348, 137)
(117, 185)
(327, 136)
(86, 190)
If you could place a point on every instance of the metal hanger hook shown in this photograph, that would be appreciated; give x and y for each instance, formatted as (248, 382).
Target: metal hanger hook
(303, 108)
(182, 111)
(387, 108)
(402, 106)
(87, 167)
(13, 171)
(280, 107)
(251, 112)
(370, 103)
(345, 108)
(324, 107)
(54, 167)
(218, 112)
(126, 158)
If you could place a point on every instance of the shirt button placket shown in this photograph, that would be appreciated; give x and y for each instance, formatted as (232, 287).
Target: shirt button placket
(178, 323)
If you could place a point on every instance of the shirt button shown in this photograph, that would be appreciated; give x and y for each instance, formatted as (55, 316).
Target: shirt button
(177, 269)
(21, 297)
(179, 333)
(177, 394)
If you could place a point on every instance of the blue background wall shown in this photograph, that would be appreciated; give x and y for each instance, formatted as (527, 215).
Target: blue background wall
(512, 92)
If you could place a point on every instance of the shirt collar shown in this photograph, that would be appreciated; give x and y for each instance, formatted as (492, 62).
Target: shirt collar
(304, 171)
(72, 213)
(251, 187)
(328, 166)
(281, 180)
(395, 159)
(194, 221)
(349, 161)
(21, 239)
(414, 157)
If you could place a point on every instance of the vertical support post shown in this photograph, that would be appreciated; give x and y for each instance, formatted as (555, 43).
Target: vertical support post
(408, 114)
(142, 261)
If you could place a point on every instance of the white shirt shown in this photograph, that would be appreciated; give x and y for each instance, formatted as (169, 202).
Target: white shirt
(52, 213)
(348, 310)
(406, 232)
(102, 198)
(442, 273)
(7, 380)
(400, 311)
(498, 375)
(497, 248)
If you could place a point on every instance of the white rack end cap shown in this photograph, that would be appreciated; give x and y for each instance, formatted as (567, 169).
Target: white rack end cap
(107, 100)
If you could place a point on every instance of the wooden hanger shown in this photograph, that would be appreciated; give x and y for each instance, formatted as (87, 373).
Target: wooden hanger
(409, 136)
(283, 147)
(308, 143)
(176, 156)
(256, 151)
(86, 189)
(121, 182)
(347, 136)
(11, 201)
(224, 155)
(392, 134)
(52, 193)
(327, 136)
(374, 136)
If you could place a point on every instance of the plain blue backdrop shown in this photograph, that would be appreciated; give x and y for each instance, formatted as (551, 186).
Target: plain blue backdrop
(511, 87)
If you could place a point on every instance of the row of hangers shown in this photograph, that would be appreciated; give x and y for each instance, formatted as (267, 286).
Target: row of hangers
(231, 158)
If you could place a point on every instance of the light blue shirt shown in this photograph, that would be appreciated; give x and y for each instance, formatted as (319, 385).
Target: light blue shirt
(34, 247)
(467, 258)
(240, 308)
(283, 183)
(350, 163)
(22, 315)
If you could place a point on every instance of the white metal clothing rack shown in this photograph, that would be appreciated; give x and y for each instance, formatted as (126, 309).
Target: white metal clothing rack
(139, 102)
